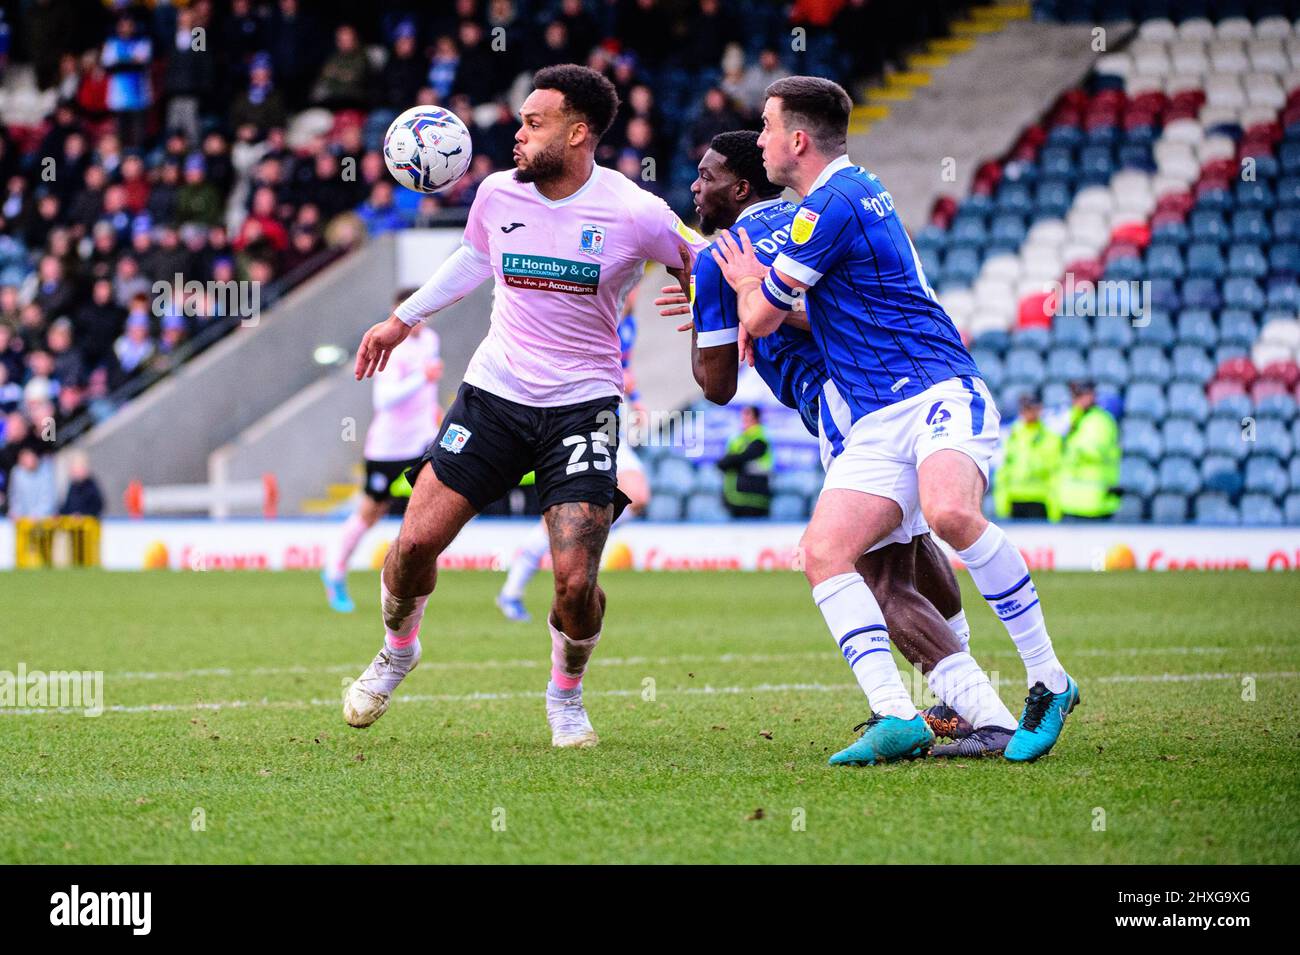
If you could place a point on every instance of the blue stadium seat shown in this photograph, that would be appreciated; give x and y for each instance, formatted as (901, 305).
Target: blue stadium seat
(805, 483)
(1247, 261)
(1132, 510)
(1187, 400)
(1008, 228)
(1204, 260)
(1112, 332)
(1137, 477)
(1202, 293)
(1066, 364)
(1143, 399)
(1288, 192)
(1284, 259)
(1293, 473)
(1264, 475)
(664, 507)
(1256, 195)
(1057, 161)
(1283, 294)
(1169, 509)
(1196, 327)
(1052, 199)
(706, 508)
(1014, 197)
(1069, 331)
(1237, 327)
(1183, 437)
(1165, 261)
(1215, 508)
(990, 366)
(1106, 366)
(1175, 230)
(708, 480)
(996, 341)
(1140, 438)
(1147, 363)
(1221, 473)
(1280, 407)
(1125, 269)
(1232, 407)
(1288, 156)
(1223, 436)
(1056, 394)
(1244, 294)
(1259, 510)
(1039, 339)
(674, 476)
(789, 507)
(966, 232)
(1154, 328)
(1192, 364)
(961, 265)
(1178, 475)
(1207, 226)
(1025, 367)
(1291, 509)
(1272, 438)
(1215, 199)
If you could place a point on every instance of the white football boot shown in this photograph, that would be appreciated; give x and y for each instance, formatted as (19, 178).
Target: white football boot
(368, 697)
(570, 727)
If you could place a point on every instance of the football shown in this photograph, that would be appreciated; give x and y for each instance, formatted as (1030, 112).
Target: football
(427, 148)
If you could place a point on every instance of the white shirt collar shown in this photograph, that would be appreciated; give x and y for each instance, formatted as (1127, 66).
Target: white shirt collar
(758, 207)
(832, 167)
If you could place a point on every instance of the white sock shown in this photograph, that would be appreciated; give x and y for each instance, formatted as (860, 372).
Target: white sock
(535, 548)
(960, 629)
(354, 528)
(958, 681)
(858, 626)
(1003, 578)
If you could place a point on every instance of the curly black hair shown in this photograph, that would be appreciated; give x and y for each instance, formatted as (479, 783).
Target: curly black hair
(740, 149)
(586, 92)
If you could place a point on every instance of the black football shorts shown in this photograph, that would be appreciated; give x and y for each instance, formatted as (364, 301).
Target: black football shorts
(488, 443)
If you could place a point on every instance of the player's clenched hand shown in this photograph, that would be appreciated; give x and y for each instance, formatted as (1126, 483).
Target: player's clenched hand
(737, 260)
(378, 343)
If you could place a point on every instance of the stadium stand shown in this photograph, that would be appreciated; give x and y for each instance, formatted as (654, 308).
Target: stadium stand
(132, 152)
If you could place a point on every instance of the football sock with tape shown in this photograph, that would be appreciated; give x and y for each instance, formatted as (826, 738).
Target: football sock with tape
(402, 616)
(1003, 578)
(959, 682)
(858, 627)
(569, 657)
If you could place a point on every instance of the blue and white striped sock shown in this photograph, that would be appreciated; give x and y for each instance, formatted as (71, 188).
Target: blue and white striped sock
(858, 626)
(1003, 578)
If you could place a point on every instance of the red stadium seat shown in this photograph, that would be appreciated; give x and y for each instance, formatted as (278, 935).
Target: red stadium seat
(1287, 373)
(1137, 234)
(1266, 389)
(1221, 389)
(1240, 370)
(1085, 270)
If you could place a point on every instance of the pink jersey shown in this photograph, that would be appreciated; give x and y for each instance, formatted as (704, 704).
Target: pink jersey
(562, 271)
(406, 403)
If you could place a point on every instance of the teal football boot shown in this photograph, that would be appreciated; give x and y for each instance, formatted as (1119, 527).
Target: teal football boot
(336, 592)
(886, 739)
(1042, 721)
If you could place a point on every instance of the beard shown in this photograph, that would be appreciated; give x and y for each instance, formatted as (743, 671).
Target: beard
(548, 163)
(709, 223)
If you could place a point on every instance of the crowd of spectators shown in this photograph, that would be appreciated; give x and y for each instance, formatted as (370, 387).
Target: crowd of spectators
(224, 140)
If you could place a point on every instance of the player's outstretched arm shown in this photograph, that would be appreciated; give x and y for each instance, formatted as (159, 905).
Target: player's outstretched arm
(746, 275)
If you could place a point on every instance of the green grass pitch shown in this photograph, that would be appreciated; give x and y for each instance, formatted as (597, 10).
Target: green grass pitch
(718, 697)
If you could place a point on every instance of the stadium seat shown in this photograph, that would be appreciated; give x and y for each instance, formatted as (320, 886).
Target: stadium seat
(1154, 328)
(1112, 332)
(1264, 475)
(1233, 407)
(1140, 438)
(1147, 363)
(1291, 509)
(1066, 364)
(1260, 510)
(1215, 508)
(1106, 366)
(1192, 364)
(1143, 399)
(1183, 437)
(1221, 473)
(674, 476)
(1071, 332)
(1196, 327)
(1137, 477)
(789, 507)
(1187, 400)
(664, 507)
(1273, 438)
(1178, 475)
(1224, 436)
(705, 508)
(1169, 509)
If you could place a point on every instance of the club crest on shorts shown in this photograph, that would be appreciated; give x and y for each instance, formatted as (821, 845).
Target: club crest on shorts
(455, 438)
(593, 240)
(801, 229)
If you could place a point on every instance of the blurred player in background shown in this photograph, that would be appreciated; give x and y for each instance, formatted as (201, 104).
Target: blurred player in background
(907, 572)
(918, 424)
(405, 423)
(564, 239)
(632, 482)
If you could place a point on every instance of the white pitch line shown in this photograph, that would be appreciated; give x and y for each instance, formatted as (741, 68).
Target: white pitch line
(670, 691)
(541, 662)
